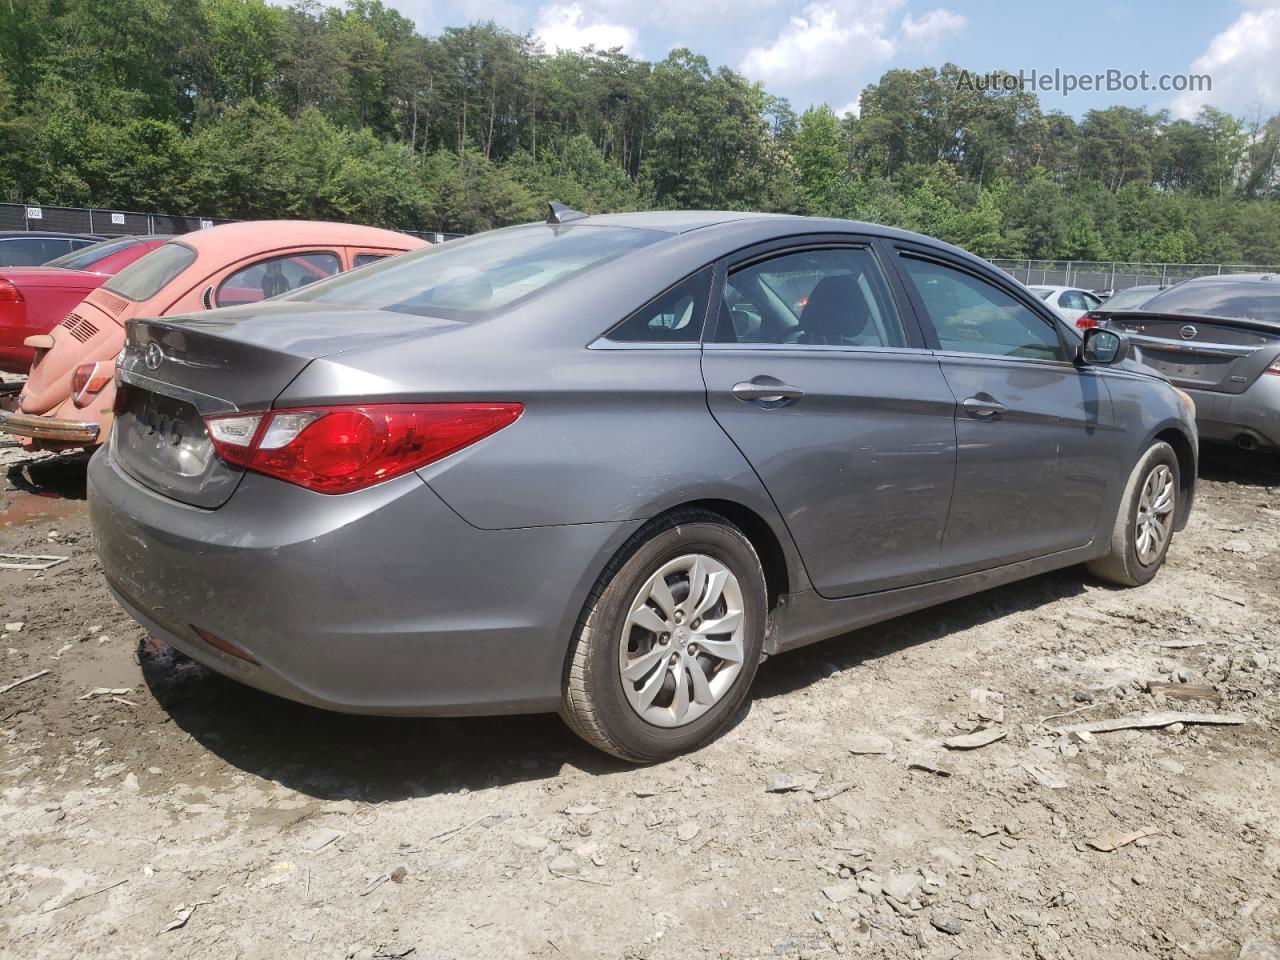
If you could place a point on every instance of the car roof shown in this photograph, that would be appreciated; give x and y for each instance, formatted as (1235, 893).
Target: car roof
(1236, 278)
(46, 235)
(767, 226)
(269, 234)
(685, 221)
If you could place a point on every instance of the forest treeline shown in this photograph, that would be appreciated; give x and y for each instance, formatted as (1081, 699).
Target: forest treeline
(237, 108)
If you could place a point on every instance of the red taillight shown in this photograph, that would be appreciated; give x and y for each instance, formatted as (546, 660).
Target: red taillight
(341, 449)
(1275, 367)
(9, 293)
(89, 379)
(1087, 320)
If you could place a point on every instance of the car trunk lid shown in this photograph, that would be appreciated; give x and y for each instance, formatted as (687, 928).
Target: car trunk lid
(1203, 353)
(175, 372)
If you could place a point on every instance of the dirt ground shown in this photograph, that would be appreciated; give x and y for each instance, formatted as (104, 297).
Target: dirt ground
(178, 814)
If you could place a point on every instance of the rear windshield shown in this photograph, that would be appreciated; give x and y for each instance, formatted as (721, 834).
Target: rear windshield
(146, 277)
(86, 257)
(1128, 299)
(1242, 300)
(468, 279)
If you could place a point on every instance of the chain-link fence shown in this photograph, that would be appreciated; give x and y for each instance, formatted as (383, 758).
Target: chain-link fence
(119, 223)
(1117, 275)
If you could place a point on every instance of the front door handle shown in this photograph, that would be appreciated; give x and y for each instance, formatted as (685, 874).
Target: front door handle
(984, 406)
(766, 390)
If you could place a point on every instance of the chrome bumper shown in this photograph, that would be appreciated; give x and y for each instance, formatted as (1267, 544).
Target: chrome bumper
(46, 428)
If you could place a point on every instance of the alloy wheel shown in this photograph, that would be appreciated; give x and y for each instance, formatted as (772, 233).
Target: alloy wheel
(682, 643)
(1154, 523)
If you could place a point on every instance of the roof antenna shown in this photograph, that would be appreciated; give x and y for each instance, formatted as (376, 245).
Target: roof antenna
(559, 213)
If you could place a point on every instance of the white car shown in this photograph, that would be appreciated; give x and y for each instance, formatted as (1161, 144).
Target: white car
(1071, 303)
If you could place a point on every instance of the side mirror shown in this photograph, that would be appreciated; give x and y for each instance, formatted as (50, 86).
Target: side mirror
(1102, 347)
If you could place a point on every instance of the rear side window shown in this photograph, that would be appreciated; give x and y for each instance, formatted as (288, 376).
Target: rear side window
(85, 257)
(147, 276)
(970, 315)
(364, 259)
(674, 316)
(835, 298)
(1073, 300)
(31, 251)
(274, 276)
(473, 278)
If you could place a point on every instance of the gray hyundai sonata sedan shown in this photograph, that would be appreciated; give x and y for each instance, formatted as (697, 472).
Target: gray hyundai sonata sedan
(606, 465)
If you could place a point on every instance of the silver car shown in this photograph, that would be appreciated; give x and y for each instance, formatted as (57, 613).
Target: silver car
(606, 465)
(1219, 339)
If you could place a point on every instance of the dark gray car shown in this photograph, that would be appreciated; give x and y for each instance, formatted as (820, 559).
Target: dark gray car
(605, 465)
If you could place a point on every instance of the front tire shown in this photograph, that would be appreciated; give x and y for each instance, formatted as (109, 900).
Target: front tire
(1144, 523)
(669, 640)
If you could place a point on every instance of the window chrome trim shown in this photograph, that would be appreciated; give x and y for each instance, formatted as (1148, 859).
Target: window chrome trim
(604, 343)
(817, 348)
(970, 355)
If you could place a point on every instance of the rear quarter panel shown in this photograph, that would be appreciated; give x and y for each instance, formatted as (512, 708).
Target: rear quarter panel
(607, 434)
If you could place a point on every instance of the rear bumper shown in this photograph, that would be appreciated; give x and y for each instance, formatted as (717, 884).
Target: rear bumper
(1226, 417)
(382, 601)
(47, 428)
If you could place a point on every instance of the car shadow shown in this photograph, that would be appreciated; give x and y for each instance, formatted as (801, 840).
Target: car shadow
(800, 668)
(1226, 464)
(336, 756)
(62, 476)
(340, 756)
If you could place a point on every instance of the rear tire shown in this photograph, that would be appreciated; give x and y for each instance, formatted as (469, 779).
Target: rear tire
(643, 681)
(1144, 523)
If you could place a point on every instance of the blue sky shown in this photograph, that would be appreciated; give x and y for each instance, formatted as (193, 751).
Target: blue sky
(828, 50)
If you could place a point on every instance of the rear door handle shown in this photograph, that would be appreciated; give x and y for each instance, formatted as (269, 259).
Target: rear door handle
(984, 406)
(766, 390)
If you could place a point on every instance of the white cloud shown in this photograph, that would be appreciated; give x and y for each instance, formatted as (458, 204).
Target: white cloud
(854, 106)
(835, 39)
(1243, 62)
(926, 32)
(566, 27)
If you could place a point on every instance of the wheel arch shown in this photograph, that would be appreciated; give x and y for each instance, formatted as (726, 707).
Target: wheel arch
(1185, 450)
(768, 547)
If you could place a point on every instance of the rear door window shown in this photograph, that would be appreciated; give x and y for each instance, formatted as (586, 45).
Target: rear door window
(834, 297)
(970, 315)
(274, 276)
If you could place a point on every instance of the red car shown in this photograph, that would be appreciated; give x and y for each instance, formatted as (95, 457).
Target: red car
(35, 299)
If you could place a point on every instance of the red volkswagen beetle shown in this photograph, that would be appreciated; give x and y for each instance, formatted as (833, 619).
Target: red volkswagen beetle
(66, 401)
(34, 299)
